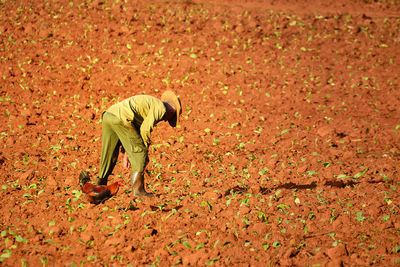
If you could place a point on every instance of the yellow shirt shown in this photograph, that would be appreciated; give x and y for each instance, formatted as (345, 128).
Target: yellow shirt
(142, 111)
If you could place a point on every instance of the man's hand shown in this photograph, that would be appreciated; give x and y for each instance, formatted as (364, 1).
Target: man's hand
(125, 162)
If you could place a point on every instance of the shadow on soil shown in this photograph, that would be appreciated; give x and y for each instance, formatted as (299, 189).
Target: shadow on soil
(312, 185)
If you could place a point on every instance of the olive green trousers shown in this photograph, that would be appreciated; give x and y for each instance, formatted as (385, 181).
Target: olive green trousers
(114, 134)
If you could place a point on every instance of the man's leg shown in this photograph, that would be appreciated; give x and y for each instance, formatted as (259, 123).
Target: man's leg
(137, 154)
(133, 145)
(109, 147)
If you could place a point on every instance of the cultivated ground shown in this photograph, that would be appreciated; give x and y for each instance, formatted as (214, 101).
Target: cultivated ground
(287, 154)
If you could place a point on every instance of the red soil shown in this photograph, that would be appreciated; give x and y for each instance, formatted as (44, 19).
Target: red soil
(287, 154)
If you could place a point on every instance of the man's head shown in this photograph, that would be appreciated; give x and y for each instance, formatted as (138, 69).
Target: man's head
(173, 106)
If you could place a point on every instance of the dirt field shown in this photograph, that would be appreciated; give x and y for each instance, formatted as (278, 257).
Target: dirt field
(287, 154)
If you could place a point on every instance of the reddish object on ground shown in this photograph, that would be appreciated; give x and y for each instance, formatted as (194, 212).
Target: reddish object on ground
(99, 193)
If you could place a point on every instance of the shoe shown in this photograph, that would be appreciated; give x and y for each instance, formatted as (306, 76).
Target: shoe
(137, 181)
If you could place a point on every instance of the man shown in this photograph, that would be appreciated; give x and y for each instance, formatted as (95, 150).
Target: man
(129, 123)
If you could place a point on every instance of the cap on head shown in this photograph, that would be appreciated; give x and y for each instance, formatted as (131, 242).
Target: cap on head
(171, 97)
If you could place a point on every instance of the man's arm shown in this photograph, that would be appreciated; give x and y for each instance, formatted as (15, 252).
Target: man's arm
(155, 115)
(125, 161)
